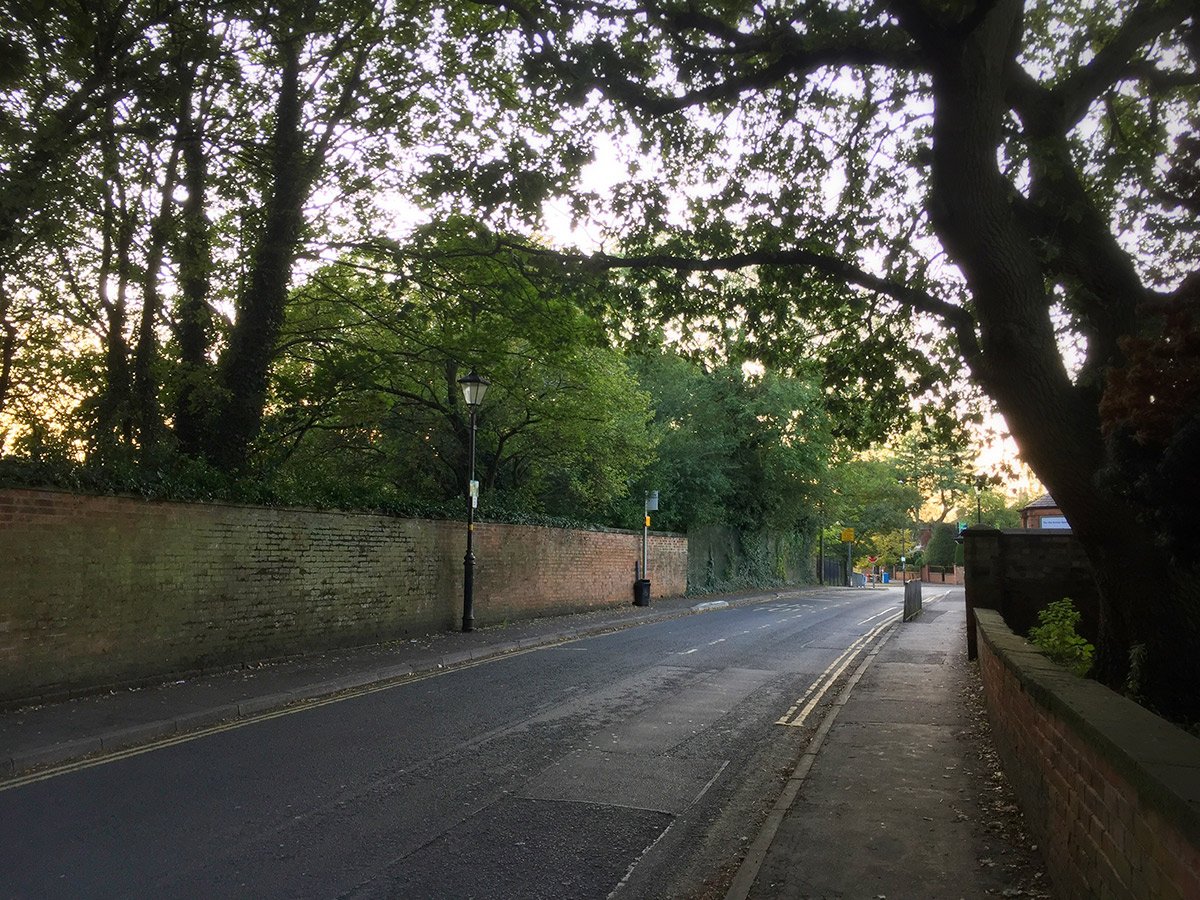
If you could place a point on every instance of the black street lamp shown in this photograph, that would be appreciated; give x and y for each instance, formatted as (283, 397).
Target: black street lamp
(473, 388)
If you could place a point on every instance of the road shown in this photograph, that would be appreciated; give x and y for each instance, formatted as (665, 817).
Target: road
(638, 763)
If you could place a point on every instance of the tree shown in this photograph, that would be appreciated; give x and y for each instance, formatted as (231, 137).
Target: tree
(365, 399)
(995, 509)
(838, 152)
(166, 170)
(872, 496)
(736, 448)
(940, 551)
(937, 467)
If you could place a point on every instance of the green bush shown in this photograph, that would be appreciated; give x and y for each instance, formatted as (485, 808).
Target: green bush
(940, 550)
(1058, 638)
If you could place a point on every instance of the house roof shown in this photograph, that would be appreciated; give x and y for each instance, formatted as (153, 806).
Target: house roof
(1043, 502)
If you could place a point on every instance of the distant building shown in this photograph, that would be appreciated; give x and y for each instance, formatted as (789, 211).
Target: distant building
(1043, 513)
(923, 537)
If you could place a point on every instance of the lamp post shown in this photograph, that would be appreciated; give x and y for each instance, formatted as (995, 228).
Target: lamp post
(980, 481)
(473, 388)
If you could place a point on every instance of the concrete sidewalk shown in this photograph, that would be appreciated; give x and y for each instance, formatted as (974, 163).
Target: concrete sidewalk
(899, 793)
(39, 736)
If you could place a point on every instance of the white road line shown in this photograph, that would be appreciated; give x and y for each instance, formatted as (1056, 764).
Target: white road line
(876, 616)
(820, 678)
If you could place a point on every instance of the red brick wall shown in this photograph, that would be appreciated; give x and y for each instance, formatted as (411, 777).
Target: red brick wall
(1111, 792)
(111, 590)
(943, 577)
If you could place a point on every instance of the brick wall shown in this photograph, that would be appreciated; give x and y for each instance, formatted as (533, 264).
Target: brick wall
(111, 590)
(941, 576)
(1019, 572)
(1111, 792)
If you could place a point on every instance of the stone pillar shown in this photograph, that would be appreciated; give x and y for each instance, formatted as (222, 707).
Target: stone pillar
(982, 552)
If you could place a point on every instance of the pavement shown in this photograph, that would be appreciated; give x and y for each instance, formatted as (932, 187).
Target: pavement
(887, 799)
(899, 793)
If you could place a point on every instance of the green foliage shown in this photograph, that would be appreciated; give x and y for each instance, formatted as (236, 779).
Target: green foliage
(821, 175)
(366, 392)
(734, 447)
(1057, 637)
(872, 496)
(194, 481)
(735, 560)
(995, 508)
(163, 168)
(941, 547)
(939, 463)
(889, 546)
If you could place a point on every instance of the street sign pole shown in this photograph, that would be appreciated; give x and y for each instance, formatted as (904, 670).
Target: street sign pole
(848, 537)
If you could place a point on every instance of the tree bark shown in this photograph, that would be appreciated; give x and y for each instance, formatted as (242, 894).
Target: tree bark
(260, 309)
(245, 366)
(146, 410)
(112, 408)
(194, 255)
(8, 348)
(1055, 422)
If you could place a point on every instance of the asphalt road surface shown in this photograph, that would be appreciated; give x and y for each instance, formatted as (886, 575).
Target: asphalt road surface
(635, 764)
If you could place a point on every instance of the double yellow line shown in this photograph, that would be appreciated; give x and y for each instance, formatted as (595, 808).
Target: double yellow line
(803, 707)
(300, 706)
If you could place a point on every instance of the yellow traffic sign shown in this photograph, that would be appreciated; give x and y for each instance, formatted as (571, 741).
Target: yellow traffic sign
(848, 535)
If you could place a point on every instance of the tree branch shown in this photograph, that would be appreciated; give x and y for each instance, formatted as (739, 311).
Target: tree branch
(1064, 105)
(748, 61)
(957, 318)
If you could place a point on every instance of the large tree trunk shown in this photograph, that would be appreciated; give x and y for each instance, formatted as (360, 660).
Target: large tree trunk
(8, 348)
(112, 408)
(245, 365)
(194, 254)
(146, 410)
(246, 362)
(1055, 422)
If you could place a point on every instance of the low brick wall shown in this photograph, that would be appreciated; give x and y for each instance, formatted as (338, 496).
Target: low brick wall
(1111, 792)
(103, 591)
(941, 577)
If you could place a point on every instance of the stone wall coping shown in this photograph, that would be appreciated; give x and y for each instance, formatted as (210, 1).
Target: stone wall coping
(1161, 761)
(377, 514)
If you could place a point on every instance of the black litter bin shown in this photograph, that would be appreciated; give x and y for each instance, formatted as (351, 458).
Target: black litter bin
(641, 592)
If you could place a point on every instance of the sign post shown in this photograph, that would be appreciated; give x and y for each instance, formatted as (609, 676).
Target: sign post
(848, 537)
(641, 587)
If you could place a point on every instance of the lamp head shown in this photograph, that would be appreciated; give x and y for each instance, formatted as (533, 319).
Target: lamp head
(474, 386)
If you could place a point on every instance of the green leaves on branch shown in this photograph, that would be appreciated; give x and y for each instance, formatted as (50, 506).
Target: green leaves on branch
(1057, 637)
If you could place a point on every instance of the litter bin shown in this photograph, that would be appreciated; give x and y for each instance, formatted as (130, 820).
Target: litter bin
(641, 592)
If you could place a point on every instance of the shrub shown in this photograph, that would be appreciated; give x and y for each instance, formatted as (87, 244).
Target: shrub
(1058, 638)
(940, 550)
